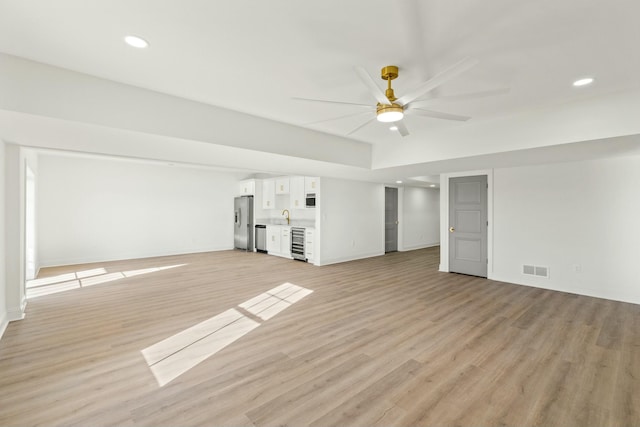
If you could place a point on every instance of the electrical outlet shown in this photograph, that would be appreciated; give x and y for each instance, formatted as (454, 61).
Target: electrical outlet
(577, 268)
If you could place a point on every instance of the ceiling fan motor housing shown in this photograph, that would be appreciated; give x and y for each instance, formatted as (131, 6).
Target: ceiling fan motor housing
(389, 112)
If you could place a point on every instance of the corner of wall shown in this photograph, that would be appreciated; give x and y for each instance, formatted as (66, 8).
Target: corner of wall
(4, 322)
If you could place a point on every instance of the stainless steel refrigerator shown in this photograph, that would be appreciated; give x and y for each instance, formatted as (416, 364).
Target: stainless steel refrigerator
(243, 226)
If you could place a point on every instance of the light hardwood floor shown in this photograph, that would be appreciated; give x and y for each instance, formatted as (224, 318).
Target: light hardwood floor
(386, 341)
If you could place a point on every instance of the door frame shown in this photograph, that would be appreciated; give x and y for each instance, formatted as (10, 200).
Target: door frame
(444, 217)
(30, 237)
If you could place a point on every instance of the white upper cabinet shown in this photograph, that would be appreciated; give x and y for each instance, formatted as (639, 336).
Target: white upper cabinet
(311, 184)
(296, 193)
(247, 187)
(282, 185)
(269, 194)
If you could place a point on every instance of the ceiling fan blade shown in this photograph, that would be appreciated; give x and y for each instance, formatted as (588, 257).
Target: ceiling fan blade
(374, 89)
(440, 115)
(359, 113)
(402, 128)
(331, 102)
(462, 96)
(361, 126)
(437, 80)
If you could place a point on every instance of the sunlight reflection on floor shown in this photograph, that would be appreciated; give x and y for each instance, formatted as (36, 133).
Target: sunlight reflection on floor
(172, 357)
(81, 279)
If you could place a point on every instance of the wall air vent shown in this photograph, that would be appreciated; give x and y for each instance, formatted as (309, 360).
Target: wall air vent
(535, 270)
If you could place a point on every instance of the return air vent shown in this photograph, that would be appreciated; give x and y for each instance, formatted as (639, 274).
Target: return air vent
(535, 270)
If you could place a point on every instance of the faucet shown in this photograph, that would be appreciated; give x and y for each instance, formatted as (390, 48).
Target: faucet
(287, 211)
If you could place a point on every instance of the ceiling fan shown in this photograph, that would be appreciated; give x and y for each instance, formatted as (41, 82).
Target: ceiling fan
(390, 109)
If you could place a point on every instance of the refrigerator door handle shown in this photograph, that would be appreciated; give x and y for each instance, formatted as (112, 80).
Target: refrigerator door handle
(238, 217)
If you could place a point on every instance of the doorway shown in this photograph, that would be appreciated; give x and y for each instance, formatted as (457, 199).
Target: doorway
(30, 225)
(390, 219)
(468, 225)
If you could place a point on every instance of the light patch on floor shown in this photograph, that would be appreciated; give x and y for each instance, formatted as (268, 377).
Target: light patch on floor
(272, 302)
(172, 357)
(81, 279)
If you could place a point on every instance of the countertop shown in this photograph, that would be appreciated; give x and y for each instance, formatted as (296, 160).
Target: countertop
(293, 223)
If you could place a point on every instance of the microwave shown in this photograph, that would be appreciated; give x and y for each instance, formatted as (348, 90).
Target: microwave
(310, 200)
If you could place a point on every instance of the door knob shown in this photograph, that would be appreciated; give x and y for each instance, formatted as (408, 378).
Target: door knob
(451, 229)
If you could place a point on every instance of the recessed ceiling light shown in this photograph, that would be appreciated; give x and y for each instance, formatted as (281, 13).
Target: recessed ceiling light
(136, 41)
(393, 128)
(432, 185)
(398, 182)
(583, 82)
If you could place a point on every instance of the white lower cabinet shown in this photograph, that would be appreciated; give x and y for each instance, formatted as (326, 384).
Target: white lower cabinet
(273, 239)
(279, 240)
(309, 244)
(285, 242)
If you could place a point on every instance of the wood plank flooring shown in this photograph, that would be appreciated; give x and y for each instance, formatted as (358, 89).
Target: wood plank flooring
(385, 341)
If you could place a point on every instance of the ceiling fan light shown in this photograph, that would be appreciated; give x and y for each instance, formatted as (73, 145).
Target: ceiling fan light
(389, 113)
(135, 41)
(583, 82)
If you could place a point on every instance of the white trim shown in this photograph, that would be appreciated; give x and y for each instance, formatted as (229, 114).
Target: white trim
(400, 211)
(4, 322)
(444, 217)
(633, 299)
(15, 314)
(350, 258)
(422, 246)
(127, 256)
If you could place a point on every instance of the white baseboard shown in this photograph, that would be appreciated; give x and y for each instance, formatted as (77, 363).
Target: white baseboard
(4, 322)
(15, 314)
(127, 256)
(416, 247)
(633, 299)
(350, 258)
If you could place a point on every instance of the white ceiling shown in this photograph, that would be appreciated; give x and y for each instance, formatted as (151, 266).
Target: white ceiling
(255, 56)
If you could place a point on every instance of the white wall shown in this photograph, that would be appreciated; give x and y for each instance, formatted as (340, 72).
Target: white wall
(16, 160)
(97, 209)
(419, 215)
(579, 219)
(351, 220)
(3, 275)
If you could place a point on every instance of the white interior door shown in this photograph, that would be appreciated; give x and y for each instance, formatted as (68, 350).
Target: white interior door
(390, 219)
(468, 225)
